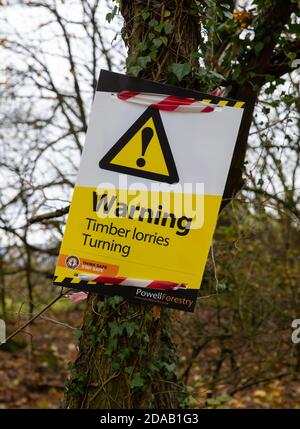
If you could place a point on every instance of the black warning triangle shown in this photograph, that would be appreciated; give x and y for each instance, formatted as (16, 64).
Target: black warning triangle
(143, 151)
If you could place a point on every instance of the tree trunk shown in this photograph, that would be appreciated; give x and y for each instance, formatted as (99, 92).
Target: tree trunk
(126, 355)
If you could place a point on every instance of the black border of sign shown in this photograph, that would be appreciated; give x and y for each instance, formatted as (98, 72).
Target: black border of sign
(116, 82)
(105, 162)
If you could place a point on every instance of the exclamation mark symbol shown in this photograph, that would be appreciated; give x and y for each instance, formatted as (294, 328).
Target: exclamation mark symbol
(147, 134)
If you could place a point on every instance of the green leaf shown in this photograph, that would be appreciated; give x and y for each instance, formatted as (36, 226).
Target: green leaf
(100, 305)
(146, 338)
(115, 329)
(116, 300)
(196, 55)
(130, 327)
(164, 39)
(71, 366)
(142, 46)
(137, 380)
(129, 61)
(168, 27)
(159, 27)
(153, 23)
(180, 70)
(157, 42)
(143, 61)
(228, 14)
(110, 16)
(260, 182)
(170, 367)
(153, 54)
(292, 56)
(221, 287)
(225, 6)
(211, 401)
(217, 75)
(149, 316)
(258, 47)
(111, 347)
(145, 14)
(223, 398)
(294, 28)
(79, 333)
(167, 13)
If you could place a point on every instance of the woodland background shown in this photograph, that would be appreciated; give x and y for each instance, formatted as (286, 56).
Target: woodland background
(235, 351)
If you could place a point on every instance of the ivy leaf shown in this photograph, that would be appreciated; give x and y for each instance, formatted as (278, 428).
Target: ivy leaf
(168, 27)
(260, 182)
(129, 369)
(137, 380)
(111, 347)
(153, 23)
(217, 75)
(170, 367)
(153, 54)
(159, 27)
(130, 60)
(110, 16)
(228, 14)
(258, 47)
(115, 329)
(143, 61)
(142, 46)
(116, 300)
(79, 333)
(145, 14)
(225, 6)
(221, 287)
(180, 70)
(130, 328)
(157, 42)
(164, 39)
(100, 305)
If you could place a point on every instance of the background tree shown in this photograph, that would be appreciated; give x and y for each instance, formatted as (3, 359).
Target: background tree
(126, 356)
(160, 48)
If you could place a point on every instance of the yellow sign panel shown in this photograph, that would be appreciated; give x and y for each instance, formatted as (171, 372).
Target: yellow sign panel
(112, 228)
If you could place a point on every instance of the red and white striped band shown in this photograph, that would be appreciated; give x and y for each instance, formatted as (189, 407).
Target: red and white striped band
(126, 281)
(169, 103)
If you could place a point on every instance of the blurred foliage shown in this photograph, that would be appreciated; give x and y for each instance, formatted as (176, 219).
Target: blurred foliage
(240, 339)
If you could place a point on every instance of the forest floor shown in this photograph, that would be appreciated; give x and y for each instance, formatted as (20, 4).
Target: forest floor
(33, 369)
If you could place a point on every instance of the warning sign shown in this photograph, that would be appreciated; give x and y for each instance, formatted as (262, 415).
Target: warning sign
(143, 151)
(148, 192)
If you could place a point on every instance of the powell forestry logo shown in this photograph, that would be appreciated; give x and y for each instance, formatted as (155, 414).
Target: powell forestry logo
(164, 297)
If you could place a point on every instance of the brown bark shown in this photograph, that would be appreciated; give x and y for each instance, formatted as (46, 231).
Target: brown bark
(184, 39)
(103, 386)
(111, 380)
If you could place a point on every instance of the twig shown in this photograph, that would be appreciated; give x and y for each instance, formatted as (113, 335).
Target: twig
(36, 316)
(50, 215)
